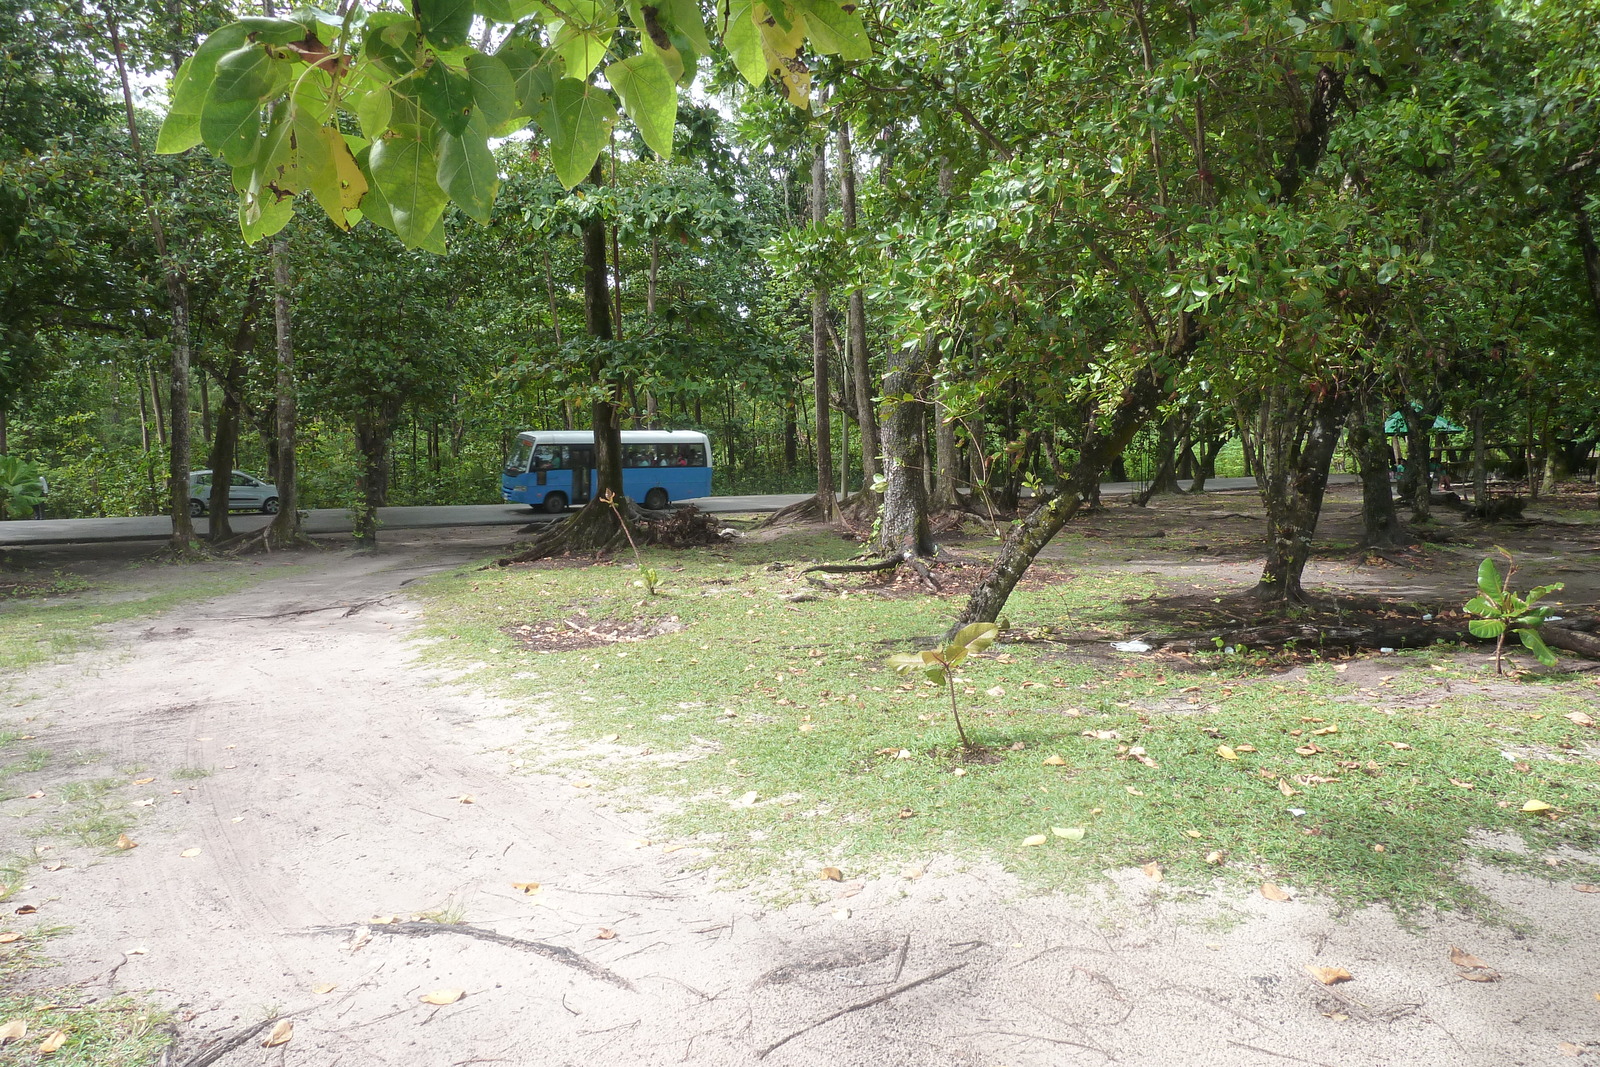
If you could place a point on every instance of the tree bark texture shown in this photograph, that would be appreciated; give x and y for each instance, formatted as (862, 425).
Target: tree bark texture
(1417, 483)
(903, 520)
(1380, 522)
(285, 529)
(1295, 450)
(373, 430)
(1165, 478)
(944, 459)
(826, 502)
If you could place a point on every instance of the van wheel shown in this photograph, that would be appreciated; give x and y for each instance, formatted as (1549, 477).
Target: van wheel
(555, 503)
(196, 509)
(657, 500)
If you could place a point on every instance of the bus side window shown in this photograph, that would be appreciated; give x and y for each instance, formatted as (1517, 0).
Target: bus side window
(691, 456)
(548, 457)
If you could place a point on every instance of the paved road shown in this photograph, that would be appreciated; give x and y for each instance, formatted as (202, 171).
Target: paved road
(337, 520)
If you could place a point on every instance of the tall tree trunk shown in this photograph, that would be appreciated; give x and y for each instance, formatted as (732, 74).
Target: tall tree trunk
(1165, 478)
(1295, 451)
(944, 459)
(178, 295)
(856, 324)
(1380, 522)
(826, 502)
(144, 413)
(205, 409)
(1480, 459)
(903, 520)
(791, 432)
(224, 448)
(1418, 484)
(373, 433)
(159, 406)
(285, 528)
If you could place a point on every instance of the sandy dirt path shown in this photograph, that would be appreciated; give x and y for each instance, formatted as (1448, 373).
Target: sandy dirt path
(337, 766)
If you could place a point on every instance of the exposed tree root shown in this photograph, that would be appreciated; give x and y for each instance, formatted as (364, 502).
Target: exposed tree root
(1570, 635)
(858, 1006)
(910, 559)
(599, 532)
(539, 948)
(807, 510)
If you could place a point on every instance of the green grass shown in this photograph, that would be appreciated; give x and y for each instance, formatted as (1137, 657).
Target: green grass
(793, 702)
(119, 1032)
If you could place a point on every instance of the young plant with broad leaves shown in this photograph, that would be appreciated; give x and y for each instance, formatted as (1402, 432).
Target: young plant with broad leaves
(938, 665)
(388, 114)
(1500, 610)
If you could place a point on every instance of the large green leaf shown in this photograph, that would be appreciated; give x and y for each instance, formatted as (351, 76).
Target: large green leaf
(230, 130)
(243, 74)
(329, 170)
(1486, 628)
(180, 130)
(649, 96)
(493, 91)
(373, 111)
(1535, 644)
(833, 30)
(1489, 583)
(782, 42)
(742, 39)
(445, 23)
(1479, 605)
(467, 169)
(507, 10)
(582, 38)
(530, 74)
(405, 171)
(683, 16)
(975, 637)
(581, 116)
(275, 30)
(446, 94)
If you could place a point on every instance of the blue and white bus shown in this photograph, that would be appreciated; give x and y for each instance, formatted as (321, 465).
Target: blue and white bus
(549, 470)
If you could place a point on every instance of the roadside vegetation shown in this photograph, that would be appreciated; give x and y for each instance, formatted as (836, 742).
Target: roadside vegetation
(764, 712)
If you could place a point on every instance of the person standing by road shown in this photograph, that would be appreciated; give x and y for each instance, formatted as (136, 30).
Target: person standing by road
(44, 491)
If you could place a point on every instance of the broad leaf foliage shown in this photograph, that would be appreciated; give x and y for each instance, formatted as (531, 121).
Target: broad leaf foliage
(277, 97)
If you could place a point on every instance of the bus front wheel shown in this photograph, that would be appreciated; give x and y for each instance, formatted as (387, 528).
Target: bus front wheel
(657, 500)
(555, 503)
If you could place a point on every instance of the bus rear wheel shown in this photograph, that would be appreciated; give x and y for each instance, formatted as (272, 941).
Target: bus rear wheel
(555, 503)
(657, 500)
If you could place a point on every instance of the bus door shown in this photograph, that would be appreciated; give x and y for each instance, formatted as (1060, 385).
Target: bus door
(581, 459)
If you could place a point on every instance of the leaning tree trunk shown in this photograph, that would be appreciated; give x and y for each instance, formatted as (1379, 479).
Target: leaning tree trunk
(1099, 447)
(1380, 522)
(1295, 452)
(1165, 479)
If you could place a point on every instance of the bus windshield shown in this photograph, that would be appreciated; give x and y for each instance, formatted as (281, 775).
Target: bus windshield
(517, 462)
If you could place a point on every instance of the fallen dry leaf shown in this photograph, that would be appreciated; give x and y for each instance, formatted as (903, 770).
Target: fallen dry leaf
(1152, 871)
(1071, 833)
(466, 798)
(527, 889)
(1585, 887)
(189, 853)
(1193, 833)
(37, 794)
(1398, 746)
(324, 987)
(1244, 748)
(913, 873)
(606, 934)
(1329, 975)
(1034, 839)
(1274, 892)
(9, 936)
(1132, 792)
(446, 996)
(1465, 959)
(143, 781)
(1286, 789)
(1463, 785)
(1567, 1048)
(53, 1041)
(280, 1034)
(13, 1030)
(383, 920)
(27, 909)
(1480, 976)
(1325, 731)
(1534, 806)
(1580, 718)
(1054, 761)
(125, 842)
(1213, 858)
(1226, 753)
(1307, 750)
(831, 874)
